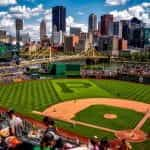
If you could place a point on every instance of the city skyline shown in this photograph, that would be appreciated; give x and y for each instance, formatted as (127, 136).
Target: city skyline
(33, 11)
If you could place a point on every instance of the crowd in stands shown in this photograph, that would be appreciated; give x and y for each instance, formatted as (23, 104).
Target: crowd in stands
(99, 74)
(13, 78)
(9, 75)
(125, 69)
(19, 134)
(136, 69)
(11, 70)
(104, 144)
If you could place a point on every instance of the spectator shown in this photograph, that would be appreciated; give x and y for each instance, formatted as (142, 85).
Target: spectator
(104, 144)
(93, 144)
(47, 142)
(50, 124)
(125, 145)
(56, 142)
(14, 122)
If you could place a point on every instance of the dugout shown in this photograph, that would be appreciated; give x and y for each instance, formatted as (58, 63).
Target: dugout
(64, 70)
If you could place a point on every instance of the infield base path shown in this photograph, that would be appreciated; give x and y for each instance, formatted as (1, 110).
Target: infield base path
(65, 111)
(68, 109)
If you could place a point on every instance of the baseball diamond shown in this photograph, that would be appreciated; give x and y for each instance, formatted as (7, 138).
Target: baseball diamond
(83, 104)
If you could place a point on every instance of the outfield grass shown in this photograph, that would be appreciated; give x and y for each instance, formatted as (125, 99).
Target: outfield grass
(126, 90)
(74, 89)
(38, 95)
(126, 118)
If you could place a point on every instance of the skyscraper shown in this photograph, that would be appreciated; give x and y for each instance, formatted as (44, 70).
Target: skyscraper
(92, 24)
(99, 27)
(117, 29)
(107, 24)
(125, 29)
(146, 31)
(136, 33)
(59, 19)
(19, 26)
(42, 30)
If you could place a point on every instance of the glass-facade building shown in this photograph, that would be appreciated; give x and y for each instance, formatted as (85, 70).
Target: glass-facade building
(92, 23)
(146, 37)
(59, 19)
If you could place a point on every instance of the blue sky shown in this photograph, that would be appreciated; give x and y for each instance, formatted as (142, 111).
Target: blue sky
(33, 11)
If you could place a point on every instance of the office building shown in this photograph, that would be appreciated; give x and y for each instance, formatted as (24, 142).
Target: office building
(59, 18)
(57, 38)
(146, 32)
(75, 40)
(68, 44)
(107, 24)
(19, 26)
(42, 30)
(136, 38)
(99, 27)
(117, 29)
(123, 45)
(92, 23)
(125, 29)
(75, 31)
(109, 45)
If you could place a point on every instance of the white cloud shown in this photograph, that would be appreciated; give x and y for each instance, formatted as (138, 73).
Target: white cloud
(146, 4)
(70, 22)
(136, 11)
(48, 15)
(33, 31)
(115, 2)
(139, 11)
(7, 19)
(26, 12)
(80, 13)
(7, 2)
(121, 15)
(3, 13)
(37, 10)
(7, 24)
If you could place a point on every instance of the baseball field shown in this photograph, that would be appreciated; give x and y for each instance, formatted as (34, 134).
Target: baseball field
(84, 102)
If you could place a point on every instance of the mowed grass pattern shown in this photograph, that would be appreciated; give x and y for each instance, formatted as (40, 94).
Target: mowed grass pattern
(39, 94)
(126, 90)
(77, 88)
(28, 96)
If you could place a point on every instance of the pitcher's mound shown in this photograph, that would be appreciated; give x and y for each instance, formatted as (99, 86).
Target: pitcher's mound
(110, 116)
(132, 136)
